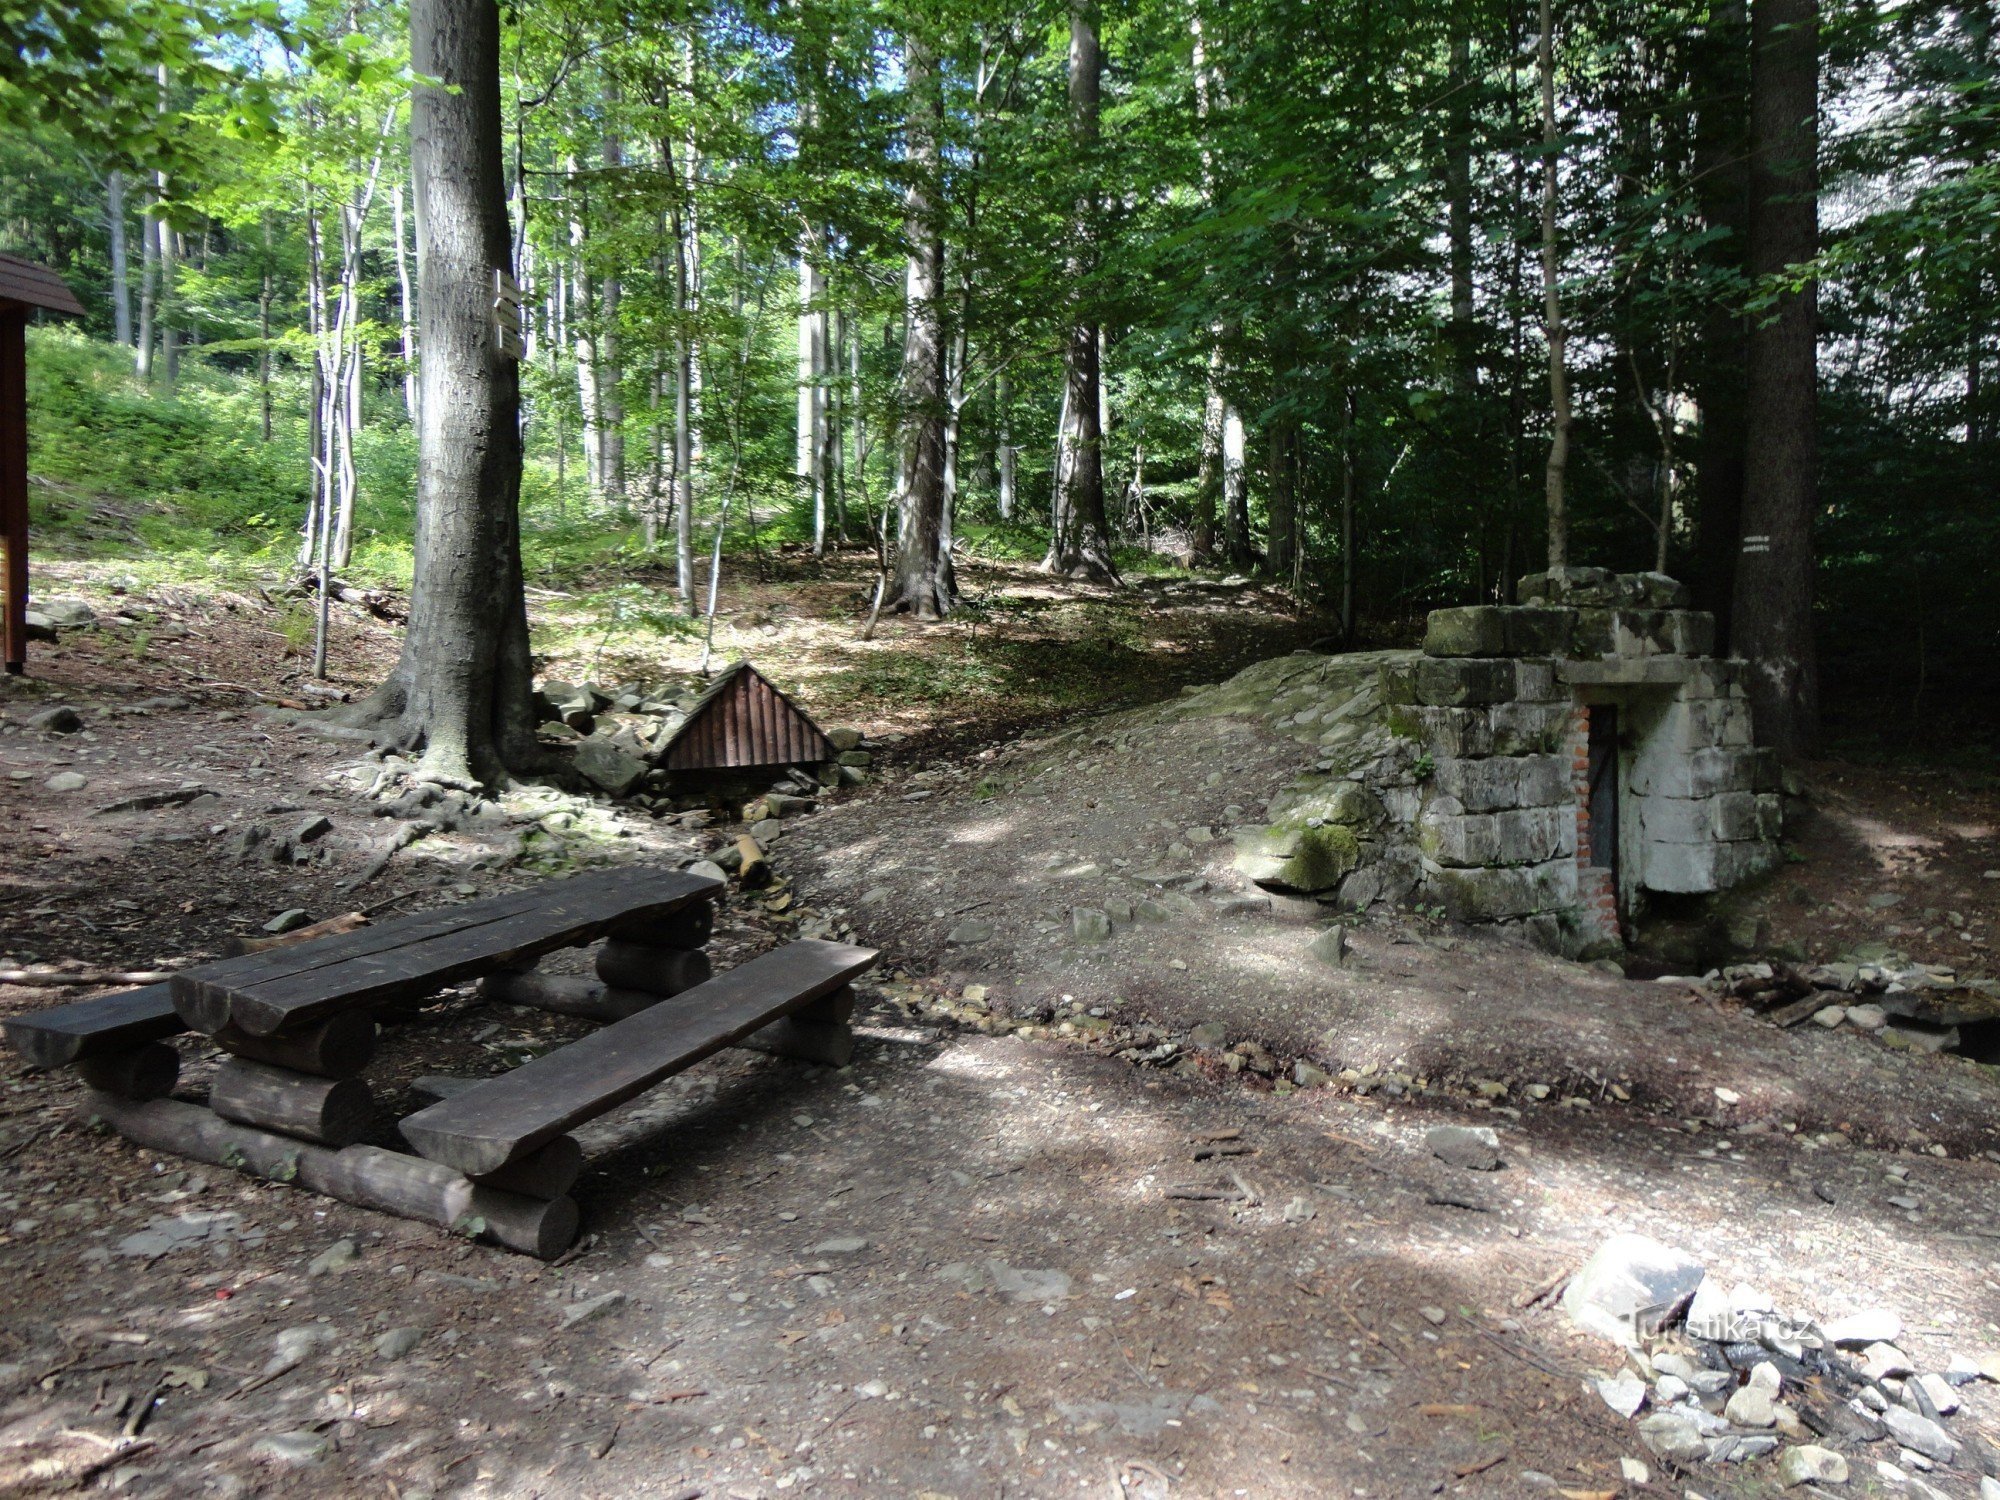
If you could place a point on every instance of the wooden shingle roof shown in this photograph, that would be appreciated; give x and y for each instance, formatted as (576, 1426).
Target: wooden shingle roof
(25, 284)
(743, 721)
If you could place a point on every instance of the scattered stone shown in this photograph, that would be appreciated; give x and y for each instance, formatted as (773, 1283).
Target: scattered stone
(1875, 1325)
(294, 1346)
(1920, 1434)
(607, 767)
(1209, 1034)
(1939, 1392)
(1027, 1285)
(318, 826)
(1751, 1406)
(1885, 1362)
(970, 933)
(292, 1449)
(398, 1342)
(62, 719)
(66, 781)
(1867, 1017)
(1631, 1287)
(1625, 1394)
(846, 1244)
(1433, 1316)
(1474, 1148)
(335, 1257)
(1089, 924)
(289, 920)
(66, 613)
(1828, 1016)
(1330, 947)
(590, 1311)
(1674, 1436)
(844, 739)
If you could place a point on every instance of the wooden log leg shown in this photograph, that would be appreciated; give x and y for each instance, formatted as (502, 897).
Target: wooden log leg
(338, 1047)
(817, 1033)
(566, 994)
(657, 971)
(689, 927)
(148, 1072)
(549, 1173)
(366, 1176)
(331, 1111)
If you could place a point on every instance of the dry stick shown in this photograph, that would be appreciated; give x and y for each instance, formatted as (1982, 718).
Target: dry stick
(44, 979)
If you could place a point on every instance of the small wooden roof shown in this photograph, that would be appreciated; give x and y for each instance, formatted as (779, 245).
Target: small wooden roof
(25, 284)
(742, 721)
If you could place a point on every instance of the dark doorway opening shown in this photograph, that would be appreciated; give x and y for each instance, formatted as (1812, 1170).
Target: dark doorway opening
(1603, 795)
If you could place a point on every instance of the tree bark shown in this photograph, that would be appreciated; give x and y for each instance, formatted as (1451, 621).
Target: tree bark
(1774, 574)
(121, 276)
(149, 281)
(1079, 541)
(461, 687)
(1721, 76)
(923, 583)
(1552, 316)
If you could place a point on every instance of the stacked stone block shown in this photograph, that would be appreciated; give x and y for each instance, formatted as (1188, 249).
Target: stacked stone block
(1497, 705)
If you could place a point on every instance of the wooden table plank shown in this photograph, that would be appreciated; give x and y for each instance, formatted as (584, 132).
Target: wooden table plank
(505, 1118)
(285, 989)
(64, 1034)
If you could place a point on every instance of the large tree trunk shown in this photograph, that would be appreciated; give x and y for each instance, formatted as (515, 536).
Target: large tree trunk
(1721, 75)
(460, 690)
(1772, 625)
(1552, 315)
(923, 583)
(810, 463)
(1003, 402)
(1079, 541)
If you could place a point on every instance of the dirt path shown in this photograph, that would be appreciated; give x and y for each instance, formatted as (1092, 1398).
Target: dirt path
(985, 1259)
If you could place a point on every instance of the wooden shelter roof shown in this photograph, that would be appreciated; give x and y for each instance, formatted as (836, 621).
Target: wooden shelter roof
(743, 721)
(25, 284)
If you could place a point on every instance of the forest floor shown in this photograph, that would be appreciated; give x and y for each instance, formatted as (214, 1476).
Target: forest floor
(1008, 1251)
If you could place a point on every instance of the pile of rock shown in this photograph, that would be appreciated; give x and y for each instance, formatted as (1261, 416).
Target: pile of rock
(1915, 1006)
(1717, 1373)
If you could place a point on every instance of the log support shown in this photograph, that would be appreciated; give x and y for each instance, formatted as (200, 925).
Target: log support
(366, 1176)
(148, 1072)
(330, 1111)
(566, 994)
(338, 1047)
(658, 971)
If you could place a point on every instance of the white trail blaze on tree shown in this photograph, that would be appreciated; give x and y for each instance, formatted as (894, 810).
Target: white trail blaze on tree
(460, 691)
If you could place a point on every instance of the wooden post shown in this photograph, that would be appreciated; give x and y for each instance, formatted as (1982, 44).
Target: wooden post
(14, 480)
(658, 971)
(147, 1072)
(339, 1047)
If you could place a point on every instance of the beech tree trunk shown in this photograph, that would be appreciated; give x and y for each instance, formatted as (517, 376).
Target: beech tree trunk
(460, 690)
(1721, 66)
(121, 276)
(1079, 541)
(1552, 315)
(1772, 618)
(922, 584)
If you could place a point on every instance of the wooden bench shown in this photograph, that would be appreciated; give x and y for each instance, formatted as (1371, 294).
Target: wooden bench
(288, 989)
(504, 1119)
(66, 1034)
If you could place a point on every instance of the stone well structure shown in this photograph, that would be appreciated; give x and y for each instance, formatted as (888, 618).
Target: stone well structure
(1550, 765)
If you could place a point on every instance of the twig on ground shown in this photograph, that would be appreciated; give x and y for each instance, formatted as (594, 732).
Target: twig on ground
(76, 978)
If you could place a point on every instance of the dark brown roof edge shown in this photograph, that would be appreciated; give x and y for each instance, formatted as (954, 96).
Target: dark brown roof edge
(22, 281)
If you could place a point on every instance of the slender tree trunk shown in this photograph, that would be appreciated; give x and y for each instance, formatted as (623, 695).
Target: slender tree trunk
(1236, 546)
(461, 688)
(121, 279)
(149, 299)
(1552, 317)
(1348, 486)
(811, 447)
(1774, 573)
(412, 400)
(611, 371)
(264, 293)
(923, 584)
(1210, 485)
(683, 191)
(166, 307)
(1721, 78)
(1003, 401)
(1079, 543)
(1458, 211)
(1282, 554)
